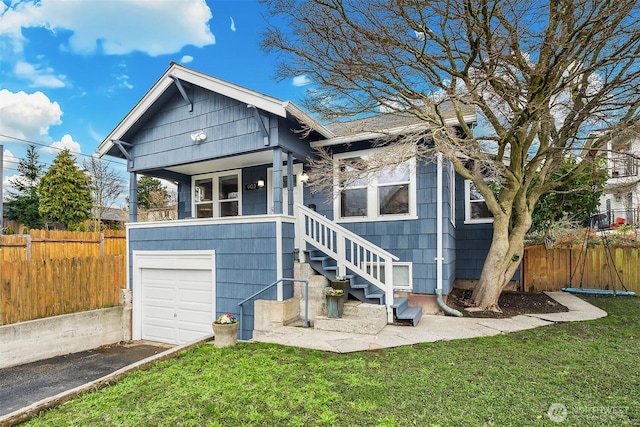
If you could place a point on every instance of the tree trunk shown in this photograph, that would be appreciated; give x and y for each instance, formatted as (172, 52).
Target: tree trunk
(502, 261)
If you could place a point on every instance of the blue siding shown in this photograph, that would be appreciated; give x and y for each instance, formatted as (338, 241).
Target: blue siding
(165, 139)
(410, 240)
(254, 202)
(245, 258)
(472, 240)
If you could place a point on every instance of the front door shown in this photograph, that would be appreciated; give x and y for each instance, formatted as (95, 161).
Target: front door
(297, 188)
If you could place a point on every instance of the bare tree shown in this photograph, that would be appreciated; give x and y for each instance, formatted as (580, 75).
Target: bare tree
(106, 186)
(540, 74)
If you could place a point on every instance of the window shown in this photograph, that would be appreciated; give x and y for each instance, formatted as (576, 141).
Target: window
(217, 195)
(388, 194)
(476, 210)
(402, 274)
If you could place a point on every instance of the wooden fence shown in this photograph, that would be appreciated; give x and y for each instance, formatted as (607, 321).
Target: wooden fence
(552, 269)
(43, 244)
(49, 287)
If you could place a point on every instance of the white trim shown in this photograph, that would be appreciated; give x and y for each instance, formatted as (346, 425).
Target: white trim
(439, 222)
(407, 264)
(373, 193)
(361, 136)
(297, 189)
(239, 93)
(177, 260)
(452, 194)
(250, 219)
(467, 207)
(215, 200)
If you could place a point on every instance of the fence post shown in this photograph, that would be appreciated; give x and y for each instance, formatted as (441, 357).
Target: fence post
(102, 245)
(28, 247)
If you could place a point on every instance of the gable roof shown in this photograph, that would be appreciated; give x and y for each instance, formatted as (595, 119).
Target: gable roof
(388, 123)
(147, 104)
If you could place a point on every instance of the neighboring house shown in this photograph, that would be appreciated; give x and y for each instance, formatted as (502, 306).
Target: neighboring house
(245, 216)
(620, 202)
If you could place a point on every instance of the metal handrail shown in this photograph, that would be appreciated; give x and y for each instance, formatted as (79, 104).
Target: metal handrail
(306, 299)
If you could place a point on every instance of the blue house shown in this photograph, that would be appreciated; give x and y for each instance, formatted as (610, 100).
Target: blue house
(245, 215)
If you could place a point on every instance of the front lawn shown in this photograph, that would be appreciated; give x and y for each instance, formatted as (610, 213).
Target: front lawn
(591, 368)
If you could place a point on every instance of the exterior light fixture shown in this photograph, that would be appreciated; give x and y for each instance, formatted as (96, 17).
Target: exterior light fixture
(199, 137)
(304, 177)
(260, 183)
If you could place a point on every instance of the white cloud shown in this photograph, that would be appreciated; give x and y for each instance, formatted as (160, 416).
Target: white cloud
(113, 27)
(301, 80)
(10, 164)
(419, 35)
(233, 25)
(123, 80)
(65, 142)
(186, 59)
(39, 77)
(27, 116)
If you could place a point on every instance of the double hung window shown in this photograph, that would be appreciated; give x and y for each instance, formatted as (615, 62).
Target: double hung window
(385, 194)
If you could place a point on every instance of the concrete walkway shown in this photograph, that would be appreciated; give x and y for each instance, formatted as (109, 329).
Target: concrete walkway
(431, 328)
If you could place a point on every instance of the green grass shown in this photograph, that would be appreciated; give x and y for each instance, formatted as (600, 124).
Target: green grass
(508, 380)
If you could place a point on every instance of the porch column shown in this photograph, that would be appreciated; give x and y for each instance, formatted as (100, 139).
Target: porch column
(133, 197)
(290, 182)
(277, 181)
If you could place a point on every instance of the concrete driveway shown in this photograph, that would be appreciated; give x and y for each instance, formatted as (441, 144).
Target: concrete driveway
(23, 385)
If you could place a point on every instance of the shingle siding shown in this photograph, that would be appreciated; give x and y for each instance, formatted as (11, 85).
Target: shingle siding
(410, 240)
(245, 257)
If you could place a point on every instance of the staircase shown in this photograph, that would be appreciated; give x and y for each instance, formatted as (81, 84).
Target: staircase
(337, 251)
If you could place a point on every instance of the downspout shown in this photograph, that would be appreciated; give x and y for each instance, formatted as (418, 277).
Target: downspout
(439, 233)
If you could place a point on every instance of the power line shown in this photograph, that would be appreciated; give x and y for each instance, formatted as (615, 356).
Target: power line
(57, 148)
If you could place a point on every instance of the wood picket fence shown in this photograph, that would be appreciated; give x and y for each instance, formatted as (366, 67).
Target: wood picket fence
(48, 273)
(545, 269)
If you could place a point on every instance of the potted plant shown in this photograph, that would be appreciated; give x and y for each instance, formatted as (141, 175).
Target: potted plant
(340, 282)
(225, 329)
(334, 302)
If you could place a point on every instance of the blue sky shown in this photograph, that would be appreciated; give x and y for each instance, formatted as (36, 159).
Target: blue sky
(70, 70)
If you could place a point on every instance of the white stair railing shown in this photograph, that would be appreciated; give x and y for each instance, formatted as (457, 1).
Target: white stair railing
(350, 251)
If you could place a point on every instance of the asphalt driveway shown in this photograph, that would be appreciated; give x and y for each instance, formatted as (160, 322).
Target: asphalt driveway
(23, 385)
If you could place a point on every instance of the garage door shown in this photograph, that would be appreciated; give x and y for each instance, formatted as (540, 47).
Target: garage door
(175, 298)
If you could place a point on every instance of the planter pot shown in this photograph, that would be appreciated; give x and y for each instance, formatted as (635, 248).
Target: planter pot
(342, 285)
(226, 334)
(335, 306)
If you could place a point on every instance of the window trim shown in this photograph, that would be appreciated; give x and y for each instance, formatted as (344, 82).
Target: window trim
(396, 264)
(215, 200)
(467, 206)
(373, 193)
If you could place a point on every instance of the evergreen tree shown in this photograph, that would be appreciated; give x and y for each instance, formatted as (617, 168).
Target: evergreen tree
(23, 203)
(65, 193)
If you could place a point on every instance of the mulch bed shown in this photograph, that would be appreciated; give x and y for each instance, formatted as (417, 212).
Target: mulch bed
(512, 304)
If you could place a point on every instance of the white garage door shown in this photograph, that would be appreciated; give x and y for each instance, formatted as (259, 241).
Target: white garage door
(175, 297)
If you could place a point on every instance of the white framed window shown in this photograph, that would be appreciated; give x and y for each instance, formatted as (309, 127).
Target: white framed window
(475, 208)
(402, 274)
(387, 195)
(217, 194)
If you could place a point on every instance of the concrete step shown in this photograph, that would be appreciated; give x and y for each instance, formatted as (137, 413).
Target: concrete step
(357, 317)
